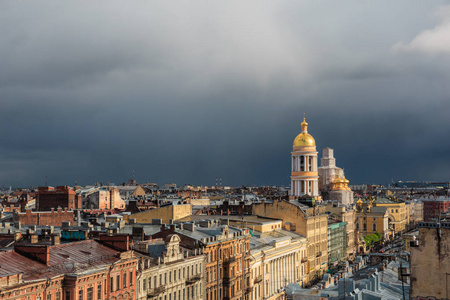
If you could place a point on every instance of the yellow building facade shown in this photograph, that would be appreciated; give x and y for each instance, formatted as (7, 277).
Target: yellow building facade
(311, 222)
(166, 214)
(371, 219)
(398, 213)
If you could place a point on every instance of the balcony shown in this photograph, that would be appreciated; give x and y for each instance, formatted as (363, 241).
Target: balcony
(156, 291)
(193, 279)
(248, 290)
(319, 254)
(258, 279)
(304, 259)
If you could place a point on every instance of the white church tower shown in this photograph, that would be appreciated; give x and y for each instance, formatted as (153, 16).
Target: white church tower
(304, 177)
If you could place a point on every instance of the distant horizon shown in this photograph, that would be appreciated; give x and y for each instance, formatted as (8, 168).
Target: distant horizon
(3, 188)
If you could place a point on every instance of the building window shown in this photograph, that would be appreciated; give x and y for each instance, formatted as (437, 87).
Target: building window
(49, 296)
(90, 293)
(144, 285)
(117, 282)
(131, 278)
(58, 295)
(99, 292)
(67, 295)
(124, 280)
(111, 284)
(80, 295)
(374, 227)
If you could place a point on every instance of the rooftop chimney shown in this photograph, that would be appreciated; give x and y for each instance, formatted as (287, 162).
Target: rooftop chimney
(56, 239)
(34, 238)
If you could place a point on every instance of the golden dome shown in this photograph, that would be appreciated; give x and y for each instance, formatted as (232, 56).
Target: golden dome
(339, 180)
(304, 139)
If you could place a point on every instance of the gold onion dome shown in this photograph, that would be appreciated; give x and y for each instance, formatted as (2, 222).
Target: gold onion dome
(304, 139)
(339, 180)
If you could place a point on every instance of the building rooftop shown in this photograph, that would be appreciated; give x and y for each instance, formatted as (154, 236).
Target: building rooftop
(65, 258)
(384, 201)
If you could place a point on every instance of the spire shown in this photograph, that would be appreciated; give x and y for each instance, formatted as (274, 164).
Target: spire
(304, 125)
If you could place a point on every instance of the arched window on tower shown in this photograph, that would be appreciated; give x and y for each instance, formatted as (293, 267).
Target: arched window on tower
(310, 164)
(302, 163)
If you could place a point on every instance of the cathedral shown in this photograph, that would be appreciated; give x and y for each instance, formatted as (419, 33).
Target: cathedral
(311, 181)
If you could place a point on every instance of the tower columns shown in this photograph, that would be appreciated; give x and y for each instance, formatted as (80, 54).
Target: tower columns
(304, 176)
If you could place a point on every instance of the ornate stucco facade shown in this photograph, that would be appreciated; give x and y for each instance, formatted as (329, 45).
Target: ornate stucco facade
(277, 263)
(168, 272)
(227, 256)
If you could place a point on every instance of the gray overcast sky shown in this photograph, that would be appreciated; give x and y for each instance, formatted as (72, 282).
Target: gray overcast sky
(187, 91)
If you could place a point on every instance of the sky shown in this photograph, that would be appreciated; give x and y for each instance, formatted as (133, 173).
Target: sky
(188, 91)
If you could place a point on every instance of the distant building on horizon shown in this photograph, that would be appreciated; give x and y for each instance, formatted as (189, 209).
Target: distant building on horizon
(61, 196)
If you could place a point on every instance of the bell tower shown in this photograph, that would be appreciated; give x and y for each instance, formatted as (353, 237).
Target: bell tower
(304, 176)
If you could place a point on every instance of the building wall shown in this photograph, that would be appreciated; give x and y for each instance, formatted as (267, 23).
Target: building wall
(40, 289)
(227, 271)
(104, 199)
(50, 218)
(417, 212)
(312, 224)
(399, 214)
(371, 218)
(178, 280)
(227, 263)
(62, 196)
(337, 242)
(272, 269)
(434, 207)
(348, 215)
(200, 202)
(166, 213)
(430, 262)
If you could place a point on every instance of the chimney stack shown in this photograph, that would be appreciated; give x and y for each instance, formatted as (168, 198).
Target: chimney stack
(56, 239)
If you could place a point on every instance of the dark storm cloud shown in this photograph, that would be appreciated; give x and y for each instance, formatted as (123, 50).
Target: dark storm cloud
(188, 92)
